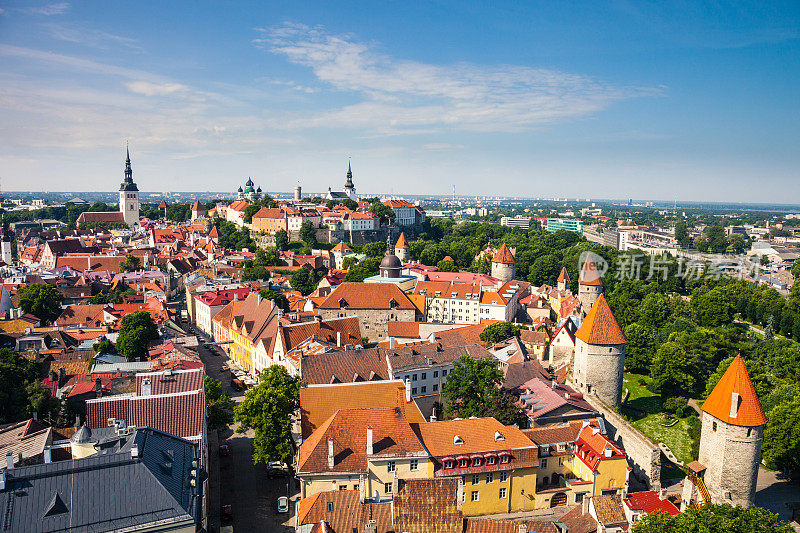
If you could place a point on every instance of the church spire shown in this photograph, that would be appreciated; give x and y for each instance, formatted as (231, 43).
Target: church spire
(349, 183)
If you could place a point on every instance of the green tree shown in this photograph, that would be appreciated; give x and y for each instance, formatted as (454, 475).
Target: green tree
(673, 371)
(640, 348)
(131, 263)
(781, 448)
(219, 406)
(308, 234)
(713, 519)
(446, 266)
(282, 240)
(41, 300)
(712, 307)
(104, 346)
(499, 331)
(304, 281)
(385, 212)
(544, 270)
(682, 235)
(136, 330)
(349, 262)
(41, 402)
(472, 388)
(268, 409)
(16, 373)
(278, 297)
(717, 243)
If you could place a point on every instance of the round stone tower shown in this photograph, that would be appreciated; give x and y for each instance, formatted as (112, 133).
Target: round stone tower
(600, 354)
(401, 249)
(504, 267)
(590, 285)
(730, 440)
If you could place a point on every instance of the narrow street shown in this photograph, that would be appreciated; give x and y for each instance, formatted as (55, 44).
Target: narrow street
(234, 480)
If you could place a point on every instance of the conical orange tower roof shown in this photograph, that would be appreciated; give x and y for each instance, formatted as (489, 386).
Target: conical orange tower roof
(734, 399)
(162, 205)
(503, 255)
(214, 233)
(589, 274)
(401, 242)
(563, 276)
(197, 207)
(600, 326)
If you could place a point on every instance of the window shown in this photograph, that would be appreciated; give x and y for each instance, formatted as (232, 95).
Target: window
(413, 390)
(491, 460)
(579, 497)
(391, 466)
(413, 377)
(749, 431)
(424, 375)
(435, 387)
(474, 496)
(543, 463)
(476, 478)
(503, 477)
(387, 488)
(477, 461)
(502, 493)
(444, 373)
(490, 477)
(560, 461)
(330, 507)
(342, 487)
(436, 373)
(413, 465)
(504, 459)
(424, 389)
(462, 463)
(448, 464)
(714, 426)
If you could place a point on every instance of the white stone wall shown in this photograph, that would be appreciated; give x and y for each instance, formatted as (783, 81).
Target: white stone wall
(598, 370)
(588, 295)
(503, 271)
(731, 455)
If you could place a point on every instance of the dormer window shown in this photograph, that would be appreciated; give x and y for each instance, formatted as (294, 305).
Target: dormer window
(491, 460)
(448, 464)
(477, 461)
(462, 463)
(498, 436)
(504, 459)
(457, 440)
(342, 302)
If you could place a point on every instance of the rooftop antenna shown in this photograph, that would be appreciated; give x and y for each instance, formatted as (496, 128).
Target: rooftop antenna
(454, 194)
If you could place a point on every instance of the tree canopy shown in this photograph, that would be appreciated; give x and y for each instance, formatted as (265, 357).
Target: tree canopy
(268, 409)
(713, 518)
(219, 406)
(136, 330)
(472, 388)
(41, 300)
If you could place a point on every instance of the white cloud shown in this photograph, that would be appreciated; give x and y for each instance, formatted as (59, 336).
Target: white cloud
(155, 89)
(58, 8)
(401, 95)
(76, 33)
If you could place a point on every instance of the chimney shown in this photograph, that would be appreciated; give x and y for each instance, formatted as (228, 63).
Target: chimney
(362, 491)
(134, 451)
(2, 480)
(391, 343)
(522, 528)
(98, 388)
(9, 461)
(408, 391)
(330, 453)
(339, 339)
(47, 454)
(371, 527)
(734, 404)
(62, 376)
(585, 504)
(369, 440)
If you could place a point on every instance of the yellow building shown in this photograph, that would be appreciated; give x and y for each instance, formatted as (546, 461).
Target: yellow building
(497, 463)
(256, 321)
(362, 449)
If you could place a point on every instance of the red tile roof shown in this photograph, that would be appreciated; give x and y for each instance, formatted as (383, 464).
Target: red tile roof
(166, 382)
(346, 512)
(735, 386)
(367, 296)
(563, 276)
(649, 501)
(503, 255)
(600, 326)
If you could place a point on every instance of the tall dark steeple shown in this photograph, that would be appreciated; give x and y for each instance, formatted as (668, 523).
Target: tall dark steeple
(349, 183)
(127, 183)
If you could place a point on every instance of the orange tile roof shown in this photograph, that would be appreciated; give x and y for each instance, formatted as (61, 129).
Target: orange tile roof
(600, 326)
(367, 296)
(589, 274)
(391, 436)
(478, 435)
(342, 248)
(428, 506)
(503, 255)
(347, 512)
(401, 242)
(319, 402)
(197, 207)
(735, 385)
(563, 276)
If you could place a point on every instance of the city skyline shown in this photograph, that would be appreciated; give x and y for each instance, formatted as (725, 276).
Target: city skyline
(667, 102)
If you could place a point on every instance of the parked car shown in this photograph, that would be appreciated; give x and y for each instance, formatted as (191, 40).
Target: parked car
(237, 385)
(283, 504)
(224, 449)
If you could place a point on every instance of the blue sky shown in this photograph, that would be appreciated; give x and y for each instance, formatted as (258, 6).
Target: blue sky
(650, 100)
